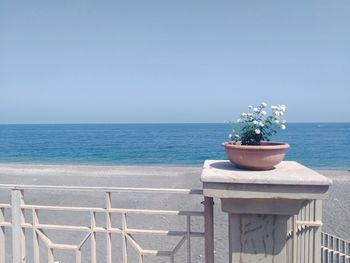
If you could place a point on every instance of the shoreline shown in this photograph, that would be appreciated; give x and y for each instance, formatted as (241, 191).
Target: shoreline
(94, 171)
(133, 166)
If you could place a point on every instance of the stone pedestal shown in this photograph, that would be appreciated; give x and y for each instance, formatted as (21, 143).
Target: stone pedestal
(259, 205)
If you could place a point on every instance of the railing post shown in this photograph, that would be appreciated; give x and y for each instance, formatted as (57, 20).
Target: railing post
(93, 236)
(2, 236)
(125, 241)
(108, 227)
(209, 229)
(18, 234)
(36, 249)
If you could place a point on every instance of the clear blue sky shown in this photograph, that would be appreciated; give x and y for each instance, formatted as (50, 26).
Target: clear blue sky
(172, 61)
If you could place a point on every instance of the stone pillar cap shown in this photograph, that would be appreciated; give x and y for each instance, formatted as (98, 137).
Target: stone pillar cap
(285, 173)
(289, 180)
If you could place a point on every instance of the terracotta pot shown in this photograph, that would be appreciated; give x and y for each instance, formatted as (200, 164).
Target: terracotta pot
(255, 157)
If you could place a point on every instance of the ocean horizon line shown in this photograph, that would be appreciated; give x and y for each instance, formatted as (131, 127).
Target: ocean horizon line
(148, 165)
(167, 123)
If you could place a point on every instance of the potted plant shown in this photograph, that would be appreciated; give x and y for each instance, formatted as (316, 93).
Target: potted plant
(250, 147)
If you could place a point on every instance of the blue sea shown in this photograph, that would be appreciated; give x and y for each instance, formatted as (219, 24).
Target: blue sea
(318, 145)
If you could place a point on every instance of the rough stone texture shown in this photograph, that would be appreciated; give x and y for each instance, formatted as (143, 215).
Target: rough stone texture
(261, 238)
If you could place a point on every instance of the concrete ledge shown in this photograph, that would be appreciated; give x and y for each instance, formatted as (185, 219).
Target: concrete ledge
(286, 173)
(253, 191)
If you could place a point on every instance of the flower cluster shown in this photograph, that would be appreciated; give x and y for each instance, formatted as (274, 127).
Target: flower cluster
(256, 125)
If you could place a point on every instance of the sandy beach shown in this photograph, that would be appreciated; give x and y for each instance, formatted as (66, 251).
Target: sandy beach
(336, 212)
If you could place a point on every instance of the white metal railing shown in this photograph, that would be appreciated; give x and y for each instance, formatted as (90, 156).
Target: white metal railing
(20, 223)
(334, 249)
(23, 217)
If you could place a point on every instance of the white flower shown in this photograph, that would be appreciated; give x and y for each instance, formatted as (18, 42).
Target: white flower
(250, 114)
(257, 131)
(283, 127)
(277, 121)
(263, 104)
(263, 112)
(274, 107)
(255, 122)
(277, 113)
(244, 114)
(261, 124)
(250, 107)
(256, 110)
(236, 136)
(230, 136)
(283, 107)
